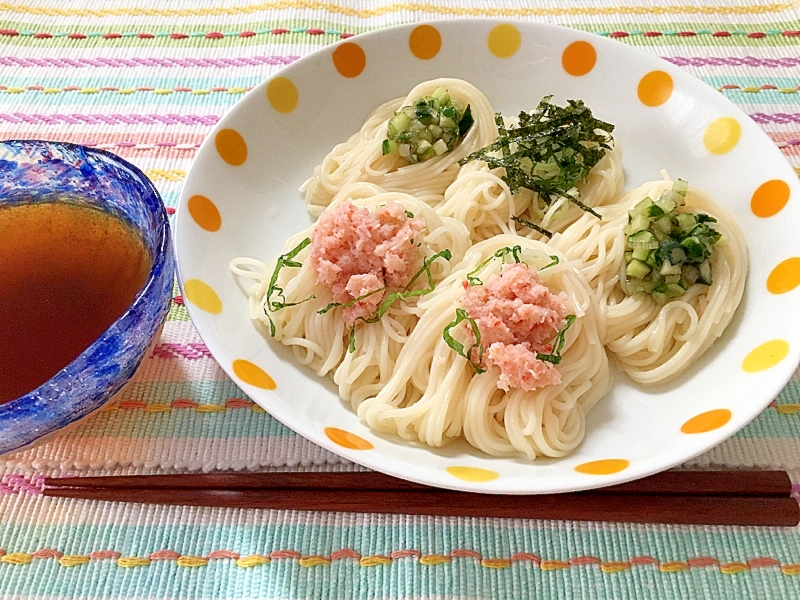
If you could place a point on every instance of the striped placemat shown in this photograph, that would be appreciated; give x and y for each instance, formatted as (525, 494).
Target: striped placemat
(148, 80)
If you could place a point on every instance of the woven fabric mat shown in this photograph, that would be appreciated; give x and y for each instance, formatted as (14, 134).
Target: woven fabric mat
(147, 80)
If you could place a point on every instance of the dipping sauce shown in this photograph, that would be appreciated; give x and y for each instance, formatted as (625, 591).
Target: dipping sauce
(67, 273)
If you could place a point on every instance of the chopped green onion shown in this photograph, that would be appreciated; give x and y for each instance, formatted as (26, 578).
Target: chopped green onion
(668, 250)
(432, 126)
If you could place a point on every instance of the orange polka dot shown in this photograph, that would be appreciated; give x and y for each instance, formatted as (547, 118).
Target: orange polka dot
(473, 474)
(655, 88)
(349, 59)
(707, 421)
(231, 147)
(722, 135)
(785, 277)
(770, 198)
(425, 42)
(348, 440)
(204, 212)
(253, 374)
(504, 40)
(202, 296)
(282, 95)
(766, 356)
(579, 58)
(607, 466)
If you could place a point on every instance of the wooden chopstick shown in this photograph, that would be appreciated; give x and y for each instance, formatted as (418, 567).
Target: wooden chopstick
(698, 483)
(675, 497)
(643, 508)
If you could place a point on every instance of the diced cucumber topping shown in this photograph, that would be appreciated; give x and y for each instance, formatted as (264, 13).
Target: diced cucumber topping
(432, 126)
(668, 250)
(637, 269)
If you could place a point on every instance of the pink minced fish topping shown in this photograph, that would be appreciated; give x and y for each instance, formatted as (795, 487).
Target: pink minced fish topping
(355, 252)
(517, 317)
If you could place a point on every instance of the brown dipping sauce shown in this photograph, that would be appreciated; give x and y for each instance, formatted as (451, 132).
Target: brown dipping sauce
(67, 273)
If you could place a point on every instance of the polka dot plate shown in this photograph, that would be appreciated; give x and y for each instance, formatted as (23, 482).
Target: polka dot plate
(241, 199)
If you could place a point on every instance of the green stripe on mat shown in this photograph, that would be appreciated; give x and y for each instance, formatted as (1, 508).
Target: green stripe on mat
(316, 32)
(300, 555)
(18, 33)
(139, 424)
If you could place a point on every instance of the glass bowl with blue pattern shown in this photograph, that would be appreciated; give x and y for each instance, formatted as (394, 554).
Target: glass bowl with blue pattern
(46, 173)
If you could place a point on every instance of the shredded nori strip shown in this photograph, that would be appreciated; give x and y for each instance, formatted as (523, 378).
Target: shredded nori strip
(547, 152)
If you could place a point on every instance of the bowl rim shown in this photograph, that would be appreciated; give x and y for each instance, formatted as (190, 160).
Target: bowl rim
(163, 247)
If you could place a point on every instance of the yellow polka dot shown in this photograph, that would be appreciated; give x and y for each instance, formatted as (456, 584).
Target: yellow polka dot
(504, 40)
(425, 42)
(722, 135)
(204, 212)
(767, 355)
(349, 59)
(473, 474)
(282, 95)
(579, 58)
(345, 439)
(655, 88)
(202, 296)
(770, 198)
(603, 467)
(253, 374)
(231, 147)
(707, 421)
(785, 277)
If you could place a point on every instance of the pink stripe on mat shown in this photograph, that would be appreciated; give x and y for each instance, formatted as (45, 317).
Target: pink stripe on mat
(137, 61)
(780, 118)
(110, 119)
(788, 142)
(210, 120)
(192, 350)
(732, 61)
(166, 145)
(27, 484)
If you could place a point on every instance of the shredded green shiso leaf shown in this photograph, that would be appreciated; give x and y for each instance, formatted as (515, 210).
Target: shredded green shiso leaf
(458, 347)
(549, 152)
(432, 126)
(461, 315)
(475, 362)
(668, 250)
(275, 295)
(515, 252)
(390, 299)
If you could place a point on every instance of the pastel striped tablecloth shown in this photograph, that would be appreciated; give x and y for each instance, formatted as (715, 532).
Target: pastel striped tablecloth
(148, 80)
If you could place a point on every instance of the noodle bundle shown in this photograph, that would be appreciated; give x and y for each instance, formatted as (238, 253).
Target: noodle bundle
(360, 159)
(655, 341)
(435, 396)
(320, 340)
(481, 200)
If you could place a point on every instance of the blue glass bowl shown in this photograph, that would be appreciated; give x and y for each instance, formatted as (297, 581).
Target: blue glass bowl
(37, 171)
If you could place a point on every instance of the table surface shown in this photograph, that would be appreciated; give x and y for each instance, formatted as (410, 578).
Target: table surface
(148, 80)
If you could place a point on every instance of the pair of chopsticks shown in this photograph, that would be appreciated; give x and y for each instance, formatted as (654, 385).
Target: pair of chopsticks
(673, 497)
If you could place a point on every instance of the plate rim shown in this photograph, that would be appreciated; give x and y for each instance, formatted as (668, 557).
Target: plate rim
(634, 471)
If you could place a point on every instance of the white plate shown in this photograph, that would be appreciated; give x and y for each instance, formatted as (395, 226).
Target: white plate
(291, 121)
